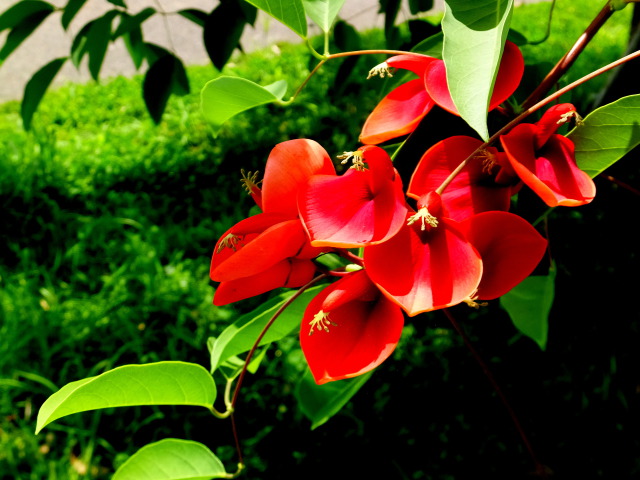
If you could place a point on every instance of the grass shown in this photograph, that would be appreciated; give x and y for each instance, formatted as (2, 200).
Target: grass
(109, 222)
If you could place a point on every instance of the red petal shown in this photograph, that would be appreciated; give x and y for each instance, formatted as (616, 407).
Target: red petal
(472, 190)
(367, 330)
(414, 63)
(397, 114)
(551, 172)
(552, 119)
(289, 166)
(510, 249)
(358, 208)
(507, 80)
(425, 270)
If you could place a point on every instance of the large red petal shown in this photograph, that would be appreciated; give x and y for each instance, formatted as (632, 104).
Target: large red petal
(510, 249)
(362, 332)
(414, 63)
(289, 166)
(397, 114)
(425, 270)
(508, 78)
(472, 190)
(551, 172)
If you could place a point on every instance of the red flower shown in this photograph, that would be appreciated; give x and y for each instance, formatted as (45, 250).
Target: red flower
(402, 109)
(429, 264)
(271, 249)
(365, 206)
(545, 160)
(348, 329)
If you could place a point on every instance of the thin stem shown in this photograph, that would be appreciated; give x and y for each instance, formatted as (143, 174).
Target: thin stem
(620, 183)
(531, 110)
(567, 60)
(548, 32)
(540, 468)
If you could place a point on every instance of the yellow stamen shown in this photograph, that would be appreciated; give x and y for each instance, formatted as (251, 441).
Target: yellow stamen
(381, 70)
(230, 241)
(565, 117)
(321, 322)
(425, 217)
(471, 301)
(249, 180)
(488, 160)
(356, 157)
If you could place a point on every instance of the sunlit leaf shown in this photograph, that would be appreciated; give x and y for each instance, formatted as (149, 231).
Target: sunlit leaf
(36, 87)
(607, 134)
(529, 304)
(171, 459)
(162, 383)
(225, 97)
(474, 36)
(289, 12)
(431, 46)
(323, 12)
(321, 402)
(242, 334)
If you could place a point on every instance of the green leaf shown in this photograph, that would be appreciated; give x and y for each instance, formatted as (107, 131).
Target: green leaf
(171, 459)
(23, 29)
(36, 87)
(321, 402)
(98, 38)
(225, 97)
(529, 303)
(289, 12)
(431, 46)
(135, 46)
(118, 3)
(223, 28)
(474, 36)
(132, 22)
(166, 76)
(607, 134)
(323, 12)
(162, 383)
(70, 11)
(196, 16)
(417, 6)
(242, 334)
(21, 11)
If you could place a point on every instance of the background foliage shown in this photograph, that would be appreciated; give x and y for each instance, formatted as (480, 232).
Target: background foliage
(109, 222)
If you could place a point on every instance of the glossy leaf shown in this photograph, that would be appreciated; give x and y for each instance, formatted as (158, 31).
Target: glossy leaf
(474, 36)
(607, 134)
(223, 28)
(70, 11)
(36, 87)
(242, 334)
(22, 29)
(166, 76)
(172, 459)
(321, 402)
(529, 304)
(323, 12)
(225, 97)
(289, 12)
(162, 383)
(21, 11)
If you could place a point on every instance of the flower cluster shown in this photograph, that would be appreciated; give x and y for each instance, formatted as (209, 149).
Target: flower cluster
(451, 241)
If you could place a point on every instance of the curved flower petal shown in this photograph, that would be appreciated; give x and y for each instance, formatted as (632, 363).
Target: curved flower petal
(289, 166)
(510, 249)
(349, 329)
(423, 270)
(415, 63)
(509, 75)
(289, 273)
(473, 190)
(551, 171)
(361, 207)
(397, 114)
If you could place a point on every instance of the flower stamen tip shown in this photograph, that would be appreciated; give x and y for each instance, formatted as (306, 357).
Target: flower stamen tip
(321, 322)
(230, 241)
(381, 70)
(357, 158)
(425, 218)
(250, 181)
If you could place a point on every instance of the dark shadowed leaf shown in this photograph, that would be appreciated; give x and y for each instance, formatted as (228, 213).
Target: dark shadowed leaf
(131, 22)
(118, 3)
(166, 76)
(196, 16)
(172, 459)
(36, 87)
(417, 6)
(21, 30)
(98, 38)
(161, 383)
(321, 402)
(73, 6)
(20, 11)
(222, 31)
(607, 134)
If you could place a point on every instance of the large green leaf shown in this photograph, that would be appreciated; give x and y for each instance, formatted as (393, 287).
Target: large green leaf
(474, 36)
(29, 19)
(289, 12)
(242, 334)
(529, 303)
(171, 459)
(321, 402)
(36, 87)
(323, 12)
(98, 39)
(607, 134)
(18, 13)
(162, 383)
(225, 97)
